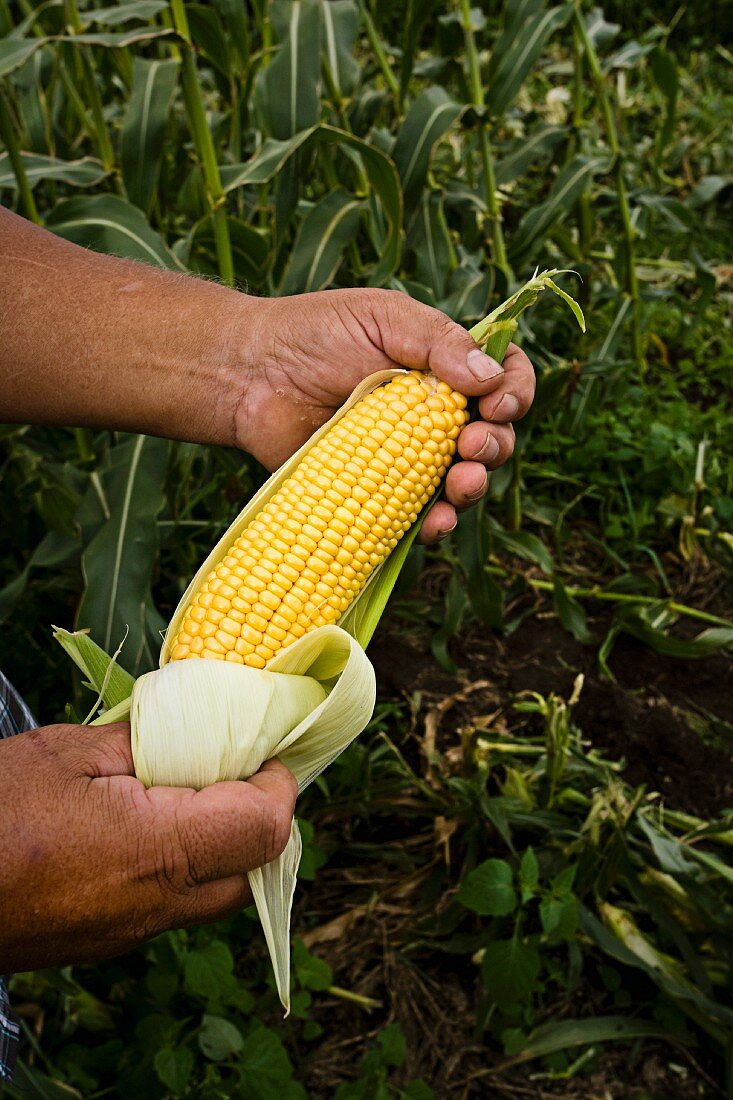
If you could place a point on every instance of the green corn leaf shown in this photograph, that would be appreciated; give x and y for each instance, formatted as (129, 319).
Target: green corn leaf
(125, 13)
(85, 172)
(528, 152)
(564, 193)
(379, 169)
(153, 87)
(108, 223)
(322, 238)
(518, 49)
(562, 1035)
(121, 542)
(430, 240)
(340, 31)
(430, 117)
(287, 90)
(207, 34)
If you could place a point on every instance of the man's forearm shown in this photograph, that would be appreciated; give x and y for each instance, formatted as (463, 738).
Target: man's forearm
(88, 339)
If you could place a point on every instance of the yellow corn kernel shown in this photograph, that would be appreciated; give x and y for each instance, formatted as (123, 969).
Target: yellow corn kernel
(301, 562)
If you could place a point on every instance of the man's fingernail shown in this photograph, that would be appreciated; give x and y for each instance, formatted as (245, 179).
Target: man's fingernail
(477, 494)
(481, 366)
(444, 534)
(508, 407)
(489, 450)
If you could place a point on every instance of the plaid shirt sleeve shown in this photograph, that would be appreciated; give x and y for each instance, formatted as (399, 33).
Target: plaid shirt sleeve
(15, 717)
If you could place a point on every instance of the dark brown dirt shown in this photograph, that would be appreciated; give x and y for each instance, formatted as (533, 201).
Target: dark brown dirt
(650, 716)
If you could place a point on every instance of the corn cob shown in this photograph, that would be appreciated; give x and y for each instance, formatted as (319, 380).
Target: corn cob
(306, 556)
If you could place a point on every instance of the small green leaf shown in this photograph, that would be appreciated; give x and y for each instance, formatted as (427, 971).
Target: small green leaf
(559, 917)
(393, 1045)
(510, 969)
(529, 874)
(208, 971)
(174, 1067)
(488, 889)
(312, 972)
(219, 1039)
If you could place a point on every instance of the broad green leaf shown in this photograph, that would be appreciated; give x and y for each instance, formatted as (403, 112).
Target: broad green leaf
(517, 51)
(340, 30)
(456, 603)
(312, 972)
(564, 193)
(107, 223)
(250, 251)
(14, 52)
(287, 90)
(533, 149)
(561, 1035)
(208, 971)
(708, 190)
(600, 32)
(379, 169)
(119, 555)
(472, 541)
(174, 1066)
(322, 238)
(524, 545)
(120, 39)
(104, 676)
(393, 1045)
(673, 857)
(510, 969)
(263, 167)
(236, 21)
(431, 242)
(430, 117)
(54, 549)
(489, 890)
(264, 1059)
(570, 613)
(664, 70)
(219, 1039)
(207, 35)
(153, 86)
(84, 172)
(650, 624)
(124, 13)
(529, 874)
(468, 294)
(516, 14)
(559, 916)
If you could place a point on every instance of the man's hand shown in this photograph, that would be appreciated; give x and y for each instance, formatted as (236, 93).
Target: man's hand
(93, 863)
(163, 354)
(307, 354)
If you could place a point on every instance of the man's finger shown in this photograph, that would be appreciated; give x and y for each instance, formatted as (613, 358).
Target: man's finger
(214, 901)
(513, 397)
(422, 338)
(439, 522)
(491, 444)
(225, 829)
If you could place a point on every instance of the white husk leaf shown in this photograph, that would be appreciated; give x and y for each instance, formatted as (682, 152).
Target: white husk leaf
(197, 722)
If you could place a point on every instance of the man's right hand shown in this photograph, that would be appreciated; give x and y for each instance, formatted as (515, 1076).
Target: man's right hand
(92, 863)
